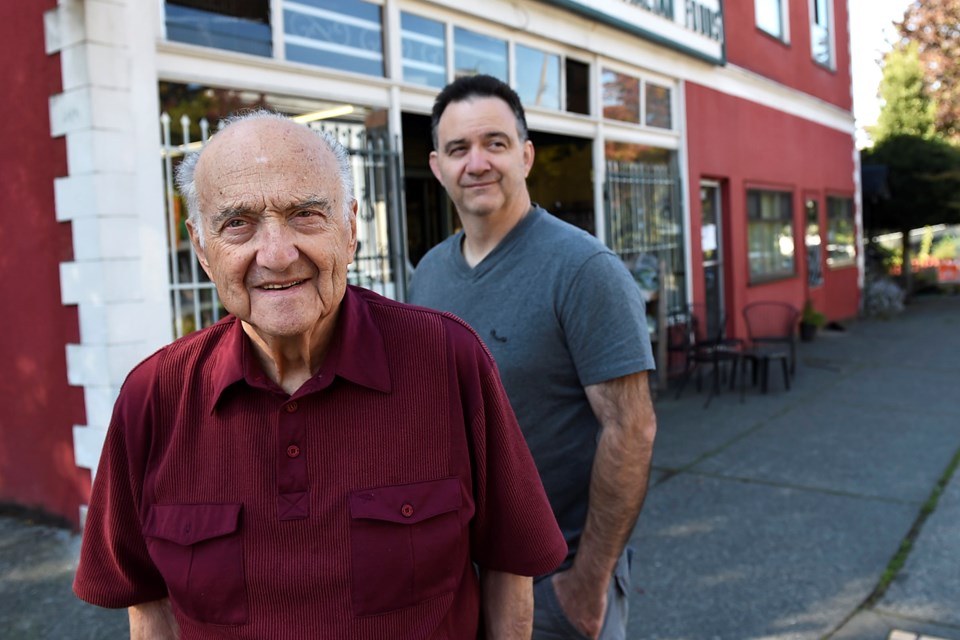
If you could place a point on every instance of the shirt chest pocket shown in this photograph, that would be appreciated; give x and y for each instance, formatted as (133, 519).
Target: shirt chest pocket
(406, 544)
(199, 551)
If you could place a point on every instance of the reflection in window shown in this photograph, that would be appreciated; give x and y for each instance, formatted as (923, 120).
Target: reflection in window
(424, 50)
(821, 41)
(658, 113)
(476, 53)
(621, 96)
(341, 34)
(770, 235)
(234, 26)
(645, 213)
(770, 17)
(841, 233)
(538, 77)
(812, 241)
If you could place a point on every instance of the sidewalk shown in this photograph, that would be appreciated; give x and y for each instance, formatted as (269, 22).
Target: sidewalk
(776, 518)
(771, 519)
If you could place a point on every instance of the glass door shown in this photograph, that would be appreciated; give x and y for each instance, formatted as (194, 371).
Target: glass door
(711, 247)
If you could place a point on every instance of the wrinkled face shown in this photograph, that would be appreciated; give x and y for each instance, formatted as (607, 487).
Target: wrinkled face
(277, 243)
(480, 159)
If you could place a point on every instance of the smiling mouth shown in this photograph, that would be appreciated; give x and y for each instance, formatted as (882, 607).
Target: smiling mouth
(281, 287)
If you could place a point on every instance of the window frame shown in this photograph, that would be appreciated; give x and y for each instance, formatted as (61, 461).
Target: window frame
(783, 9)
(774, 227)
(642, 82)
(828, 16)
(445, 46)
(834, 263)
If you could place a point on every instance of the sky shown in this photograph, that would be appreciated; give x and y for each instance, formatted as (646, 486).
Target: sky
(871, 35)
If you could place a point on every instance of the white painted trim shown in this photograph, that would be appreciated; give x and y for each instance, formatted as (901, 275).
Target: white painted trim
(747, 85)
(683, 155)
(112, 194)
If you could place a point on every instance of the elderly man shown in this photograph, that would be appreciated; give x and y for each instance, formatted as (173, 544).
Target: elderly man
(566, 324)
(324, 462)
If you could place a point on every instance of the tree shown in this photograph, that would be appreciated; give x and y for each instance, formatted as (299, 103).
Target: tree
(922, 183)
(907, 107)
(934, 25)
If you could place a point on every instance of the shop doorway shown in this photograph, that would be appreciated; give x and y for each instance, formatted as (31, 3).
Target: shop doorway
(430, 215)
(711, 248)
(561, 180)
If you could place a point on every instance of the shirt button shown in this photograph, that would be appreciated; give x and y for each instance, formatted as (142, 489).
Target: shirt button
(406, 510)
(293, 451)
(291, 406)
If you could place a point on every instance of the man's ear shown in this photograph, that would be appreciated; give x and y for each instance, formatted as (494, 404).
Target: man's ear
(434, 166)
(353, 231)
(528, 154)
(198, 249)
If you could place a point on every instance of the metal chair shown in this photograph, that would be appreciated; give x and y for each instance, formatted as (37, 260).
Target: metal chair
(703, 347)
(770, 322)
(772, 335)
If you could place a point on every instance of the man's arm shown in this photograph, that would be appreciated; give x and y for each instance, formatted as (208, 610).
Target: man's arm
(618, 485)
(507, 603)
(153, 621)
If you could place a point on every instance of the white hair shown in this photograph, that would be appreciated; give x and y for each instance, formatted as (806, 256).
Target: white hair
(186, 171)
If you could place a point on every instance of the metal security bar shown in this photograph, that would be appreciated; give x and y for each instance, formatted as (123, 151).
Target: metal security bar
(645, 224)
(380, 263)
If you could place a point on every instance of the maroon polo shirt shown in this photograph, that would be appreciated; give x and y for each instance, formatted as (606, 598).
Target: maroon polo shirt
(354, 508)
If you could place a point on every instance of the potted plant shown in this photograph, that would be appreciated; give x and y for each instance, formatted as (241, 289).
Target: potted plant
(810, 321)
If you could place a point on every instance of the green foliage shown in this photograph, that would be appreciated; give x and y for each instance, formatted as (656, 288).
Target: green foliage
(906, 105)
(932, 26)
(926, 243)
(946, 248)
(810, 315)
(924, 183)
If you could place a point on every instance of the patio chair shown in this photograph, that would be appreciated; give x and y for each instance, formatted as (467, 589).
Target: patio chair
(702, 347)
(773, 323)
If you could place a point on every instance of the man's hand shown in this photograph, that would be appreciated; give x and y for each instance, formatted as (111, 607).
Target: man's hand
(585, 605)
(153, 621)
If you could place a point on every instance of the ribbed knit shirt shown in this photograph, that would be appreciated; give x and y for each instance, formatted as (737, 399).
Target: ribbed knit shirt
(354, 508)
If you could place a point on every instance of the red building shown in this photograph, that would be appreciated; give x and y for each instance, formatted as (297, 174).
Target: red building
(776, 166)
(715, 137)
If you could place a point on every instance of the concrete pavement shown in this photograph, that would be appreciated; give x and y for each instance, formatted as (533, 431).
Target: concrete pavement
(771, 519)
(777, 517)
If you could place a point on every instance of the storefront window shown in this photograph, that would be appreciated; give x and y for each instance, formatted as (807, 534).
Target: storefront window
(645, 218)
(841, 235)
(621, 96)
(424, 50)
(538, 77)
(770, 235)
(341, 34)
(234, 25)
(475, 53)
(658, 111)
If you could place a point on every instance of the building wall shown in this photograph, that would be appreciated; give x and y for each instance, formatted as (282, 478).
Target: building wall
(37, 466)
(791, 63)
(743, 144)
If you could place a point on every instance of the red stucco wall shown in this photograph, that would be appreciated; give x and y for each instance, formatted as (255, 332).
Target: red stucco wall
(742, 145)
(37, 468)
(790, 63)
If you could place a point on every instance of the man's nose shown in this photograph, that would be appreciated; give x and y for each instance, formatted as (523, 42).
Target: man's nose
(277, 247)
(477, 161)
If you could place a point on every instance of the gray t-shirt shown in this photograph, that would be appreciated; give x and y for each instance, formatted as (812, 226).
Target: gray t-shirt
(559, 311)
